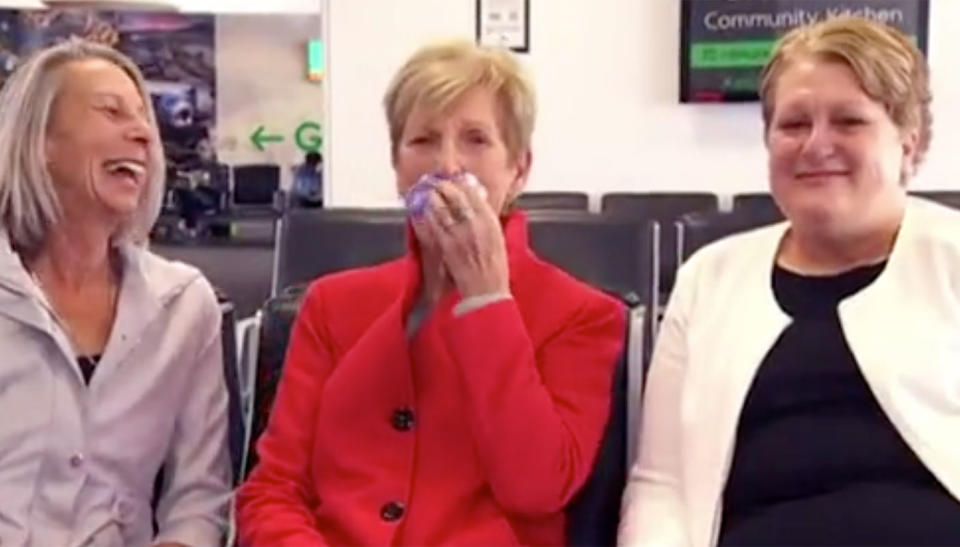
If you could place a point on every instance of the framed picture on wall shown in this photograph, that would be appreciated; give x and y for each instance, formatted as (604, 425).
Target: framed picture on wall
(725, 43)
(504, 23)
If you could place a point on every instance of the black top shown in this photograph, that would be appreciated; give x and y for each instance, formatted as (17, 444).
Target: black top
(817, 462)
(87, 366)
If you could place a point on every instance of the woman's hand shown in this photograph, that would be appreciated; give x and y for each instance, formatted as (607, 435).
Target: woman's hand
(468, 234)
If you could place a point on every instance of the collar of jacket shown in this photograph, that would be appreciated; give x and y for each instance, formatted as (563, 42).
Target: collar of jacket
(148, 284)
(519, 256)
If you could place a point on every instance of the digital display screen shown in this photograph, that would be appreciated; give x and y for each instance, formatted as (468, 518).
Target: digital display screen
(315, 61)
(725, 43)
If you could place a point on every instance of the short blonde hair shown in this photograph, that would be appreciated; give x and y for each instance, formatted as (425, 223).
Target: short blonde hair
(890, 68)
(29, 205)
(438, 74)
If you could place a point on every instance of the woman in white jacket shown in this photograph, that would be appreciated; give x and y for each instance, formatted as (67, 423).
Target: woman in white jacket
(110, 357)
(805, 387)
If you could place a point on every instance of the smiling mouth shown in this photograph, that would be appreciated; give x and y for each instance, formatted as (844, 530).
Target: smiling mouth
(133, 169)
(821, 174)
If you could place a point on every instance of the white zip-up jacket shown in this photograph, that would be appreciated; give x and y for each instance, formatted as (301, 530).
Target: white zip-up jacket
(78, 462)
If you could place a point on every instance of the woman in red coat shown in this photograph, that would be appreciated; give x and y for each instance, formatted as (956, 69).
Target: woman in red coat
(459, 394)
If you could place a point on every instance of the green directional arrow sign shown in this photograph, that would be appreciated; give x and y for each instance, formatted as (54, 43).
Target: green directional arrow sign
(259, 138)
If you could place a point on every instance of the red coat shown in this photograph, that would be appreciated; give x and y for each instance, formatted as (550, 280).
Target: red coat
(478, 430)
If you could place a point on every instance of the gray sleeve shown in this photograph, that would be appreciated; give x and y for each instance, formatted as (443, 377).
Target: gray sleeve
(472, 303)
(193, 506)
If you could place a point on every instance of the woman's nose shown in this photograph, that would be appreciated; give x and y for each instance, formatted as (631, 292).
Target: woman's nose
(139, 130)
(448, 160)
(819, 141)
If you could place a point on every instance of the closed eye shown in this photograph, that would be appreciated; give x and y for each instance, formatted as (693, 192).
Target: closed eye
(110, 110)
(477, 137)
(793, 124)
(420, 140)
(850, 121)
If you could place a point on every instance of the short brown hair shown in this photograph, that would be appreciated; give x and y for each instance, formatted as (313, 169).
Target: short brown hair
(438, 74)
(890, 68)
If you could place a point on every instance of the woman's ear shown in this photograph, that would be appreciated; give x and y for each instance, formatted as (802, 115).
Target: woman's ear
(909, 143)
(522, 167)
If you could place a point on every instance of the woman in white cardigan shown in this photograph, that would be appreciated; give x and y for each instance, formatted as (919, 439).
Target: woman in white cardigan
(805, 387)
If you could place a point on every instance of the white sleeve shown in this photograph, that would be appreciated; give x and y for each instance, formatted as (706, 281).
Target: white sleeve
(652, 511)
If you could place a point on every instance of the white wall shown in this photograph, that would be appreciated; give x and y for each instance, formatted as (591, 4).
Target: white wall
(607, 75)
(942, 169)
(261, 80)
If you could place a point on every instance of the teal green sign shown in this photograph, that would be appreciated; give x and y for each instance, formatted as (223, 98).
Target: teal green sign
(308, 137)
(315, 60)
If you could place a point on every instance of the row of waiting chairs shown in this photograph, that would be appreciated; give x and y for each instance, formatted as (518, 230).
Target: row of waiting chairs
(657, 203)
(247, 184)
(632, 248)
(617, 253)
(753, 209)
(240, 192)
(312, 243)
(309, 242)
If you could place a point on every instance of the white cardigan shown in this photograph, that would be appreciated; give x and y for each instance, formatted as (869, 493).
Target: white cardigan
(903, 329)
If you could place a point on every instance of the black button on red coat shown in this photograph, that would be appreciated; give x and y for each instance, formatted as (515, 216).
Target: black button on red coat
(392, 511)
(402, 419)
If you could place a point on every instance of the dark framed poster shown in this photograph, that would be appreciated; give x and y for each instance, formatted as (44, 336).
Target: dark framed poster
(504, 23)
(725, 43)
